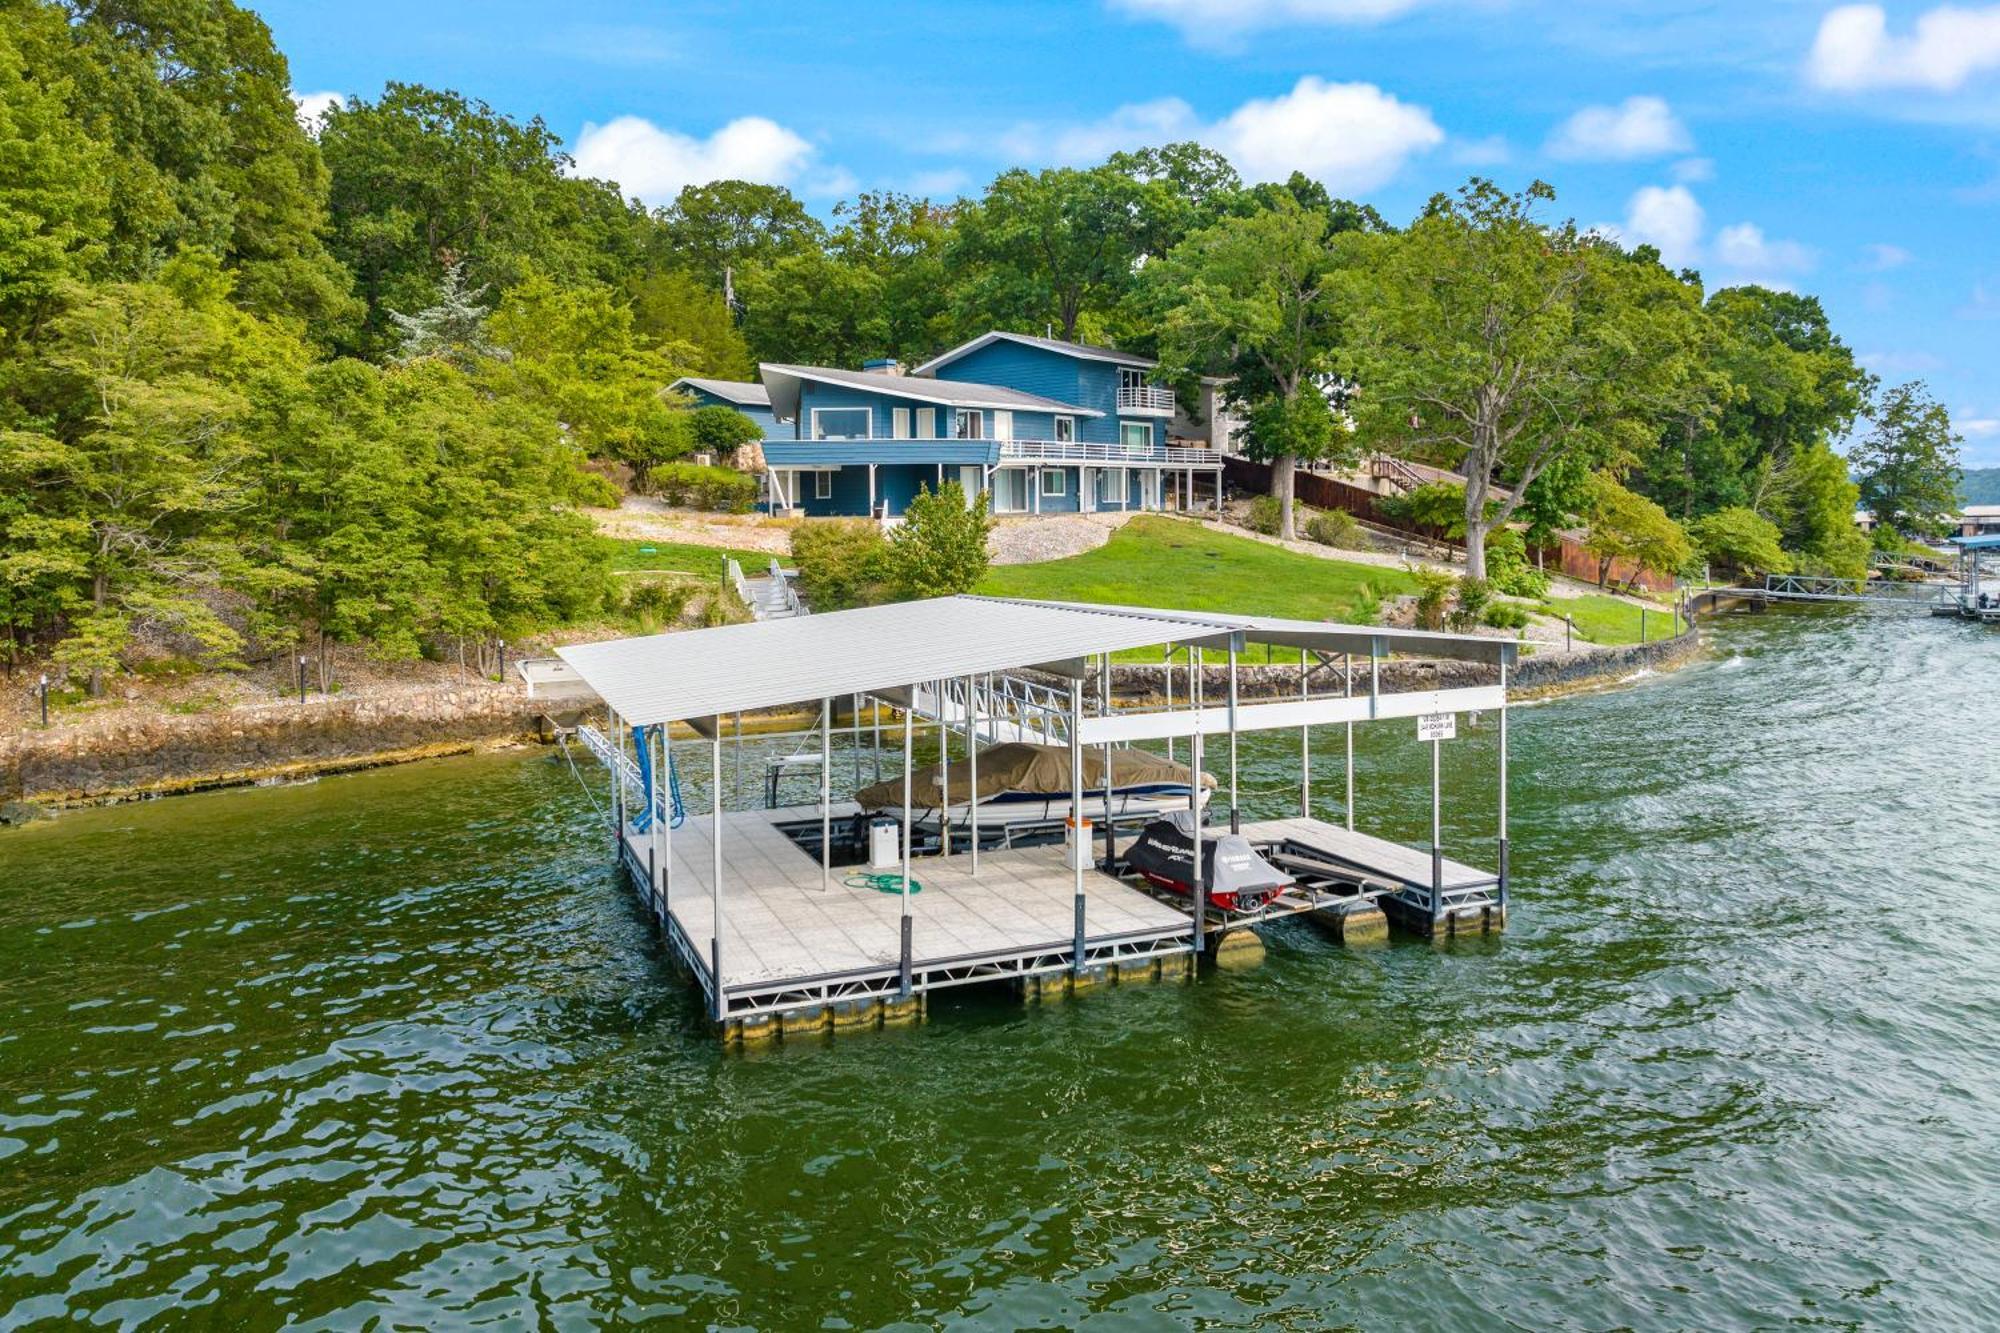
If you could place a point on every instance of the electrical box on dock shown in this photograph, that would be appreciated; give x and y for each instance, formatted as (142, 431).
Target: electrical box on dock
(885, 844)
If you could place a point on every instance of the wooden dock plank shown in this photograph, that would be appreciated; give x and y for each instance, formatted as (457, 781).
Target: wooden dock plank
(1391, 860)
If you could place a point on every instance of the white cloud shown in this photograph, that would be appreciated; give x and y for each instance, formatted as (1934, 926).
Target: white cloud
(1692, 171)
(1901, 363)
(654, 164)
(1854, 52)
(1670, 219)
(1882, 257)
(309, 107)
(1352, 136)
(1491, 151)
(1745, 250)
(1979, 428)
(1638, 127)
(1220, 20)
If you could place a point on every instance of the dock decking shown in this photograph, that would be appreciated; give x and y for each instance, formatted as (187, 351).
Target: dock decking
(788, 942)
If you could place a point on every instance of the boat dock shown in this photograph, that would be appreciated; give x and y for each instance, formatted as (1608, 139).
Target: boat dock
(781, 935)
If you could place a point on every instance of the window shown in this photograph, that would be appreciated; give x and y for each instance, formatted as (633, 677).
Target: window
(899, 423)
(966, 423)
(1003, 425)
(841, 423)
(1055, 481)
(1131, 379)
(822, 485)
(927, 423)
(1135, 435)
(1110, 486)
(1010, 490)
(1065, 430)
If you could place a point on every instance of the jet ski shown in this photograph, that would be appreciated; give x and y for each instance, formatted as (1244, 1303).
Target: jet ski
(1237, 879)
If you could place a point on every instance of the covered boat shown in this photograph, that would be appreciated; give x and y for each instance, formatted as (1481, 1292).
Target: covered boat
(1019, 781)
(1237, 878)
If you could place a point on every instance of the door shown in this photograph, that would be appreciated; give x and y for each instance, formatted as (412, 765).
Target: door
(1010, 490)
(1003, 425)
(968, 481)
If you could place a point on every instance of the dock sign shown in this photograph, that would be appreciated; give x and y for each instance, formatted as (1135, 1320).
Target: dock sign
(1437, 726)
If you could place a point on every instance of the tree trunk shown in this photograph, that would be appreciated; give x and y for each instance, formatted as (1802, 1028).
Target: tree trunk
(1475, 549)
(1283, 470)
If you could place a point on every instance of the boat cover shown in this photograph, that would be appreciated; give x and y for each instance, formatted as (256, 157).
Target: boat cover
(1024, 767)
(1230, 866)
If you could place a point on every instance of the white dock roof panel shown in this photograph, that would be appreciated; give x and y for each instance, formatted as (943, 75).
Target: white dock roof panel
(702, 673)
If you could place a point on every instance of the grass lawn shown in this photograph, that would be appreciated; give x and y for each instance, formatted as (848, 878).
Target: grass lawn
(1178, 565)
(682, 557)
(1607, 620)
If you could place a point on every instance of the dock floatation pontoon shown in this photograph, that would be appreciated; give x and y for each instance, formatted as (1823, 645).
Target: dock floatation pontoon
(769, 926)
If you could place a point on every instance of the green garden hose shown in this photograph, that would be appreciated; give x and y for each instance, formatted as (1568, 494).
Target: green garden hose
(880, 883)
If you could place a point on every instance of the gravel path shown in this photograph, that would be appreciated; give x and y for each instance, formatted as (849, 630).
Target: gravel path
(1028, 541)
(643, 518)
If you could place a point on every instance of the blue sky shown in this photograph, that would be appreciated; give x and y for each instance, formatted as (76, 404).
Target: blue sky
(1852, 151)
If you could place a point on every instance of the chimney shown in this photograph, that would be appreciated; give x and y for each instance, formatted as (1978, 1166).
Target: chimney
(883, 365)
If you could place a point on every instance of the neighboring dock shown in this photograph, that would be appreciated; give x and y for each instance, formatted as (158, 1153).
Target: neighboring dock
(781, 935)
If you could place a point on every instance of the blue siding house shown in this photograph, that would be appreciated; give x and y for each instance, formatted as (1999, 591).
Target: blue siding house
(1041, 426)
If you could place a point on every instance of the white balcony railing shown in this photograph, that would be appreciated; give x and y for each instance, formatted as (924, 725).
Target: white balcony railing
(1078, 451)
(1145, 398)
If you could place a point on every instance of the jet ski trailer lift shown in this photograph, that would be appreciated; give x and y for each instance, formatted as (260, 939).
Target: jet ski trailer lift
(782, 939)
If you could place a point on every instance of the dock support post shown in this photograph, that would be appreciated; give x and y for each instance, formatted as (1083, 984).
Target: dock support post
(1198, 887)
(1350, 746)
(944, 765)
(1235, 807)
(909, 729)
(715, 865)
(618, 790)
(1503, 788)
(1305, 742)
(1104, 710)
(825, 795)
(972, 765)
(662, 815)
(1076, 849)
(1167, 666)
(1437, 838)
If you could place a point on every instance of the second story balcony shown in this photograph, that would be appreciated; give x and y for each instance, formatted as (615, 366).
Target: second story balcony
(1079, 451)
(1150, 399)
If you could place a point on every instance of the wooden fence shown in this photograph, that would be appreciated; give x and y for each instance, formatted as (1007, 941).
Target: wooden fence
(1323, 492)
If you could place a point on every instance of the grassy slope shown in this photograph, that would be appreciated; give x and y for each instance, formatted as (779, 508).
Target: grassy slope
(1608, 620)
(1173, 563)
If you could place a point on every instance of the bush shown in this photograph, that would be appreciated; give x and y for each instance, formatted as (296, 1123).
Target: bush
(1507, 615)
(716, 489)
(657, 604)
(597, 490)
(940, 547)
(842, 562)
(1433, 593)
(1507, 567)
(1471, 602)
(1435, 506)
(1336, 527)
(1264, 516)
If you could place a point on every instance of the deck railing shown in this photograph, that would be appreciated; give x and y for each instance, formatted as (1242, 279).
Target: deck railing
(1080, 451)
(1145, 398)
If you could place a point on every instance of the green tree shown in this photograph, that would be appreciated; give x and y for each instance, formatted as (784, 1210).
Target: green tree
(672, 307)
(1499, 345)
(1626, 525)
(814, 309)
(940, 546)
(1046, 248)
(451, 328)
(1909, 463)
(1742, 539)
(719, 230)
(1257, 295)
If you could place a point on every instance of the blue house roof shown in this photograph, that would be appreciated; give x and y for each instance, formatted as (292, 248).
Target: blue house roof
(1082, 351)
(1988, 542)
(783, 383)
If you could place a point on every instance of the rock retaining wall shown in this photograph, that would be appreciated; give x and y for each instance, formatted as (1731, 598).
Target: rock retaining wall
(113, 757)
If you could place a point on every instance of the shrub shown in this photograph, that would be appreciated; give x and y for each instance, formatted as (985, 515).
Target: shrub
(842, 562)
(1507, 615)
(1433, 593)
(1336, 527)
(597, 490)
(1470, 604)
(692, 486)
(1507, 567)
(1435, 506)
(657, 603)
(940, 547)
(1264, 516)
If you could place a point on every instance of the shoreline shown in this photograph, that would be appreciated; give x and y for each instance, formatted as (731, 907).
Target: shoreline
(128, 758)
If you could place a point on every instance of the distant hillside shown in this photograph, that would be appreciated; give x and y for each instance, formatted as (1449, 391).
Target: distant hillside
(1981, 486)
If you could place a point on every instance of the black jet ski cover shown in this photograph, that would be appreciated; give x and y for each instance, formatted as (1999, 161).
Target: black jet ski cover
(1234, 874)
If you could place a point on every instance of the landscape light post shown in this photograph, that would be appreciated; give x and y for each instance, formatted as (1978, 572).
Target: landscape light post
(45, 699)
(503, 661)
(302, 679)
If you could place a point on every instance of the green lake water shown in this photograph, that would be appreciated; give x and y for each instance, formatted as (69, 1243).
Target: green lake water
(398, 1050)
